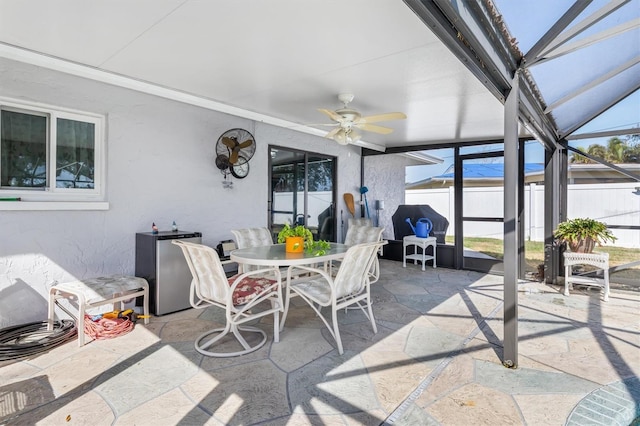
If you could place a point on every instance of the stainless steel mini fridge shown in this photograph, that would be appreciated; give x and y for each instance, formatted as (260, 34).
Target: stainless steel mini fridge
(163, 265)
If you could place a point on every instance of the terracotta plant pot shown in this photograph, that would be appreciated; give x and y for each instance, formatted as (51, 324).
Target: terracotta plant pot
(583, 246)
(294, 245)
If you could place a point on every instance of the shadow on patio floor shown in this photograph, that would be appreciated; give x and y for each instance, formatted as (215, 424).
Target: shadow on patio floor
(436, 359)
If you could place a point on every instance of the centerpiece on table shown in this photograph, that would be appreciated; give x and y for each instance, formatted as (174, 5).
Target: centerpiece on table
(299, 239)
(582, 234)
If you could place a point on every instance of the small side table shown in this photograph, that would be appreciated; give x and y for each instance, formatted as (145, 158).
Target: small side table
(423, 243)
(599, 260)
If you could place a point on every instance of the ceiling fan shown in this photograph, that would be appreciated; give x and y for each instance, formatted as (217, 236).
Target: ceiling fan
(349, 121)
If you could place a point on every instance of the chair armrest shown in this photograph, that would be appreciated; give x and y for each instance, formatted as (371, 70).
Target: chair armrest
(317, 271)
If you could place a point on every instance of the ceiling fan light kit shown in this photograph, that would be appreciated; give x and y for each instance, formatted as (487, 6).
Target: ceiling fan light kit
(348, 120)
(345, 137)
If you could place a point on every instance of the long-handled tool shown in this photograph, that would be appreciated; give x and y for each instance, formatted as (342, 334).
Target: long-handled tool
(364, 191)
(348, 199)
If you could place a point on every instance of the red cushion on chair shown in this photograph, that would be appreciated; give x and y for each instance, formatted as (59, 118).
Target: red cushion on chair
(249, 288)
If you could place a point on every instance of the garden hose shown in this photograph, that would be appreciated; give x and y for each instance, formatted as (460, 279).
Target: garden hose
(19, 341)
(24, 340)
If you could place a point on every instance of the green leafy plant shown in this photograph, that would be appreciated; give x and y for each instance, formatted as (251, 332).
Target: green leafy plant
(317, 248)
(297, 231)
(582, 234)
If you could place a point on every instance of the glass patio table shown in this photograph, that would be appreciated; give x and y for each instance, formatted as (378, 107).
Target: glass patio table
(275, 255)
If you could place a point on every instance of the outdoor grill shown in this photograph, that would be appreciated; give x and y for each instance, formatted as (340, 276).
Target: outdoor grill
(401, 228)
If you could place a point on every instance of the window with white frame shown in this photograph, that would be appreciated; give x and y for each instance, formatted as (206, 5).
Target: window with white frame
(50, 154)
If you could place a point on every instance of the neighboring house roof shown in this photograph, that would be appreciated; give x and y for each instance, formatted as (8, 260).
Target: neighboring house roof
(478, 174)
(599, 173)
(488, 170)
(488, 174)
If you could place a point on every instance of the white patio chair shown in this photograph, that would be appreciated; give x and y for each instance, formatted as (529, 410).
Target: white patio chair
(238, 296)
(366, 234)
(359, 221)
(349, 287)
(251, 237)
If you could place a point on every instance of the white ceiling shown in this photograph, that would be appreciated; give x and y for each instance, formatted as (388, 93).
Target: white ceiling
(277, 61)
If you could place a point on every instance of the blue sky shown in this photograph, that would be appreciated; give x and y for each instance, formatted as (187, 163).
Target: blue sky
(624, 115)
(528, 21)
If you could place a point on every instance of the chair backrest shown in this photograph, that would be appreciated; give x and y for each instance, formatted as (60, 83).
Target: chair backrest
(209, 279)
(363, 234)
(353, 274)
(359, 221)
(252, 237)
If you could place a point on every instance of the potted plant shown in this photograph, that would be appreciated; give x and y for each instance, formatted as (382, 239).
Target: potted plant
(296, 238)
(582, 234)
(299, 238)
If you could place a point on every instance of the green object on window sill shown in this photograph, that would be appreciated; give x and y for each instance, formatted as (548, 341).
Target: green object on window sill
(10, 199)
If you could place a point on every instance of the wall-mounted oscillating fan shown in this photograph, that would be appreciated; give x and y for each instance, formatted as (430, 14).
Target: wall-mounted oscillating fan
(234, 149)
(348, 121)
(236, 142)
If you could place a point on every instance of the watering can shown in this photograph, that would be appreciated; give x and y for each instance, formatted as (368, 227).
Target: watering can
(422, 228)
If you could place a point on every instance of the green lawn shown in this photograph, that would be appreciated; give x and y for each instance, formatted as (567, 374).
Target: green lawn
(534, 254)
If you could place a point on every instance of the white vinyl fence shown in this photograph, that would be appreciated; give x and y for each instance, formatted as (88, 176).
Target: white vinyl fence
(283, 201)
(613, 204)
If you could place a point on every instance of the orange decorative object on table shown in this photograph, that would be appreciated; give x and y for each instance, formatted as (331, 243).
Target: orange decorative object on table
(294, 245)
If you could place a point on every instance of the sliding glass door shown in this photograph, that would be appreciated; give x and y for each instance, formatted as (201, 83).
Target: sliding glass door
(302, 191)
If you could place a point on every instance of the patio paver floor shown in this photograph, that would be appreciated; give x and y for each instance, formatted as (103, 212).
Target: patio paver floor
(436, 359)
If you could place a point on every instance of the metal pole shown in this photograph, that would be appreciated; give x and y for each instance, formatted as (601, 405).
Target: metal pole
(511, 264)
(554, 211)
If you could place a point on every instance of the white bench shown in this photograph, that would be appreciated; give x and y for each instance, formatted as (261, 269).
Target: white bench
(94, 292)
(599, 260)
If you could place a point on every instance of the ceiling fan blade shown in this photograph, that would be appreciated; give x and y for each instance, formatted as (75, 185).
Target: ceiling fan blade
(246, 144)
(375, 129)
(230, 143)
(233, 159)
(332, 114)
(332, 133)
(323, 124)
(381, 117)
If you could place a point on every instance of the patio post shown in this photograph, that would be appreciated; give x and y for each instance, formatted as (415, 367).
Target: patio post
(511, 170)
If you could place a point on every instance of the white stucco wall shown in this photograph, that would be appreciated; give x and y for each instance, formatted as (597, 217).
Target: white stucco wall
(160, 168)
(384, 176)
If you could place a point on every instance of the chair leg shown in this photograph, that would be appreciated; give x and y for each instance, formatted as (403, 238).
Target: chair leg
(51, 314)
(286, 307)
(221, 332)
(80, 321)
(236, 332)
(373, 320)
(145, 303)
(276, 326)
(336, 330)
(332, 328)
